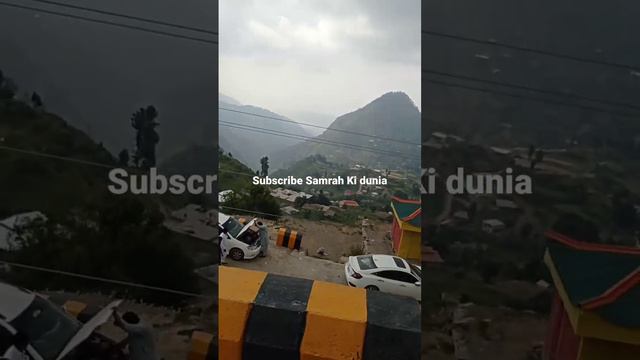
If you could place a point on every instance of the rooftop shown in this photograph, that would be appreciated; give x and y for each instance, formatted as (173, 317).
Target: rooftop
(409, 211)
(598, 277)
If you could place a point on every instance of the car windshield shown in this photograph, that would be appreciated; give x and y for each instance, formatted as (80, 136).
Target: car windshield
(47, 327)
(416, 271)
(366, 262)
(233, 227)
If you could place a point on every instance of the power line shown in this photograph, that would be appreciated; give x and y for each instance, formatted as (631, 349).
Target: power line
(312, 139)
(125, 16)
(531, 50)
(527, 88)
(525, 97)
(248, 211)
(318, 126)
(57, 157)
(101, 279)
(236, 172)
(303, 137)
(106, 22)
(75, 160)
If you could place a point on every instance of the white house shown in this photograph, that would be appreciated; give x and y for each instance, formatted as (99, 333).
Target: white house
(492, 226)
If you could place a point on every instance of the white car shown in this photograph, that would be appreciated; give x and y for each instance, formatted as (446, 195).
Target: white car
(33, 328)
(242, 242)
(385, 273)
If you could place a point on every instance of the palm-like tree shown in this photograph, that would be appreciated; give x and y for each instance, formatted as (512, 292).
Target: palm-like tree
(144, 122)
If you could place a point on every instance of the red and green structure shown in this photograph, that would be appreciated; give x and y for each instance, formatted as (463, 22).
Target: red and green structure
(406, 228)
(596, 308)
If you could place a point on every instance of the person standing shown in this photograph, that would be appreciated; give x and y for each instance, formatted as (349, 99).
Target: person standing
(142, 345)
(222, 248)
(264, 238)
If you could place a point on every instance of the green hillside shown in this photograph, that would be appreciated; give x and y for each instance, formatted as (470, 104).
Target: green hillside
(29, 182)
(236, 176)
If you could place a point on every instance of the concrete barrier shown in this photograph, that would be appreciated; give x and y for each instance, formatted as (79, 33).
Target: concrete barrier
(78, 309)
(268, 316)
(203, 346)
(237, 291)
(289, 238)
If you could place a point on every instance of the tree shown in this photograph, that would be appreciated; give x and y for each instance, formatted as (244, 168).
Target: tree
(539, 156)
(532, 150)
(8, 88)
(264, 164)
(322, 199)
(300, 201)
(123, 158)
(119, 237)
(144, 122)
(36, 100)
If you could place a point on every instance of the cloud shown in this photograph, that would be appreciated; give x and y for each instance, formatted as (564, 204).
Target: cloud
(331, 54)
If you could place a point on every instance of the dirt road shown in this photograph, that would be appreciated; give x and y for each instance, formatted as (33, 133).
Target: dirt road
(283, 261)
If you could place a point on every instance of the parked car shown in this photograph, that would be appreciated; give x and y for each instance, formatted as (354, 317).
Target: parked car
(33, 328)
(385, 273)
(242, 241)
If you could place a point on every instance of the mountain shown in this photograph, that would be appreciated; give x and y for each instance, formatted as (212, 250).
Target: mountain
(320, 119)
(107, 73)
(391, 116)
(228, 99)
(247, 132)
(193, 160)
(30, 182)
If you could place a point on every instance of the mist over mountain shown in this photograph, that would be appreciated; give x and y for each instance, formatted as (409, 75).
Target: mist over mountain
(315, 118)
(228, 99)
(392, 116)
(593, 29)
(250, 132)
(96, 75)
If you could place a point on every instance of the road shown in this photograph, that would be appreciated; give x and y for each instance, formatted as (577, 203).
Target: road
(282, 261)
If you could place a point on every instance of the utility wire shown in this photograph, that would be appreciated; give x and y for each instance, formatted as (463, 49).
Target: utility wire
(312, 139)
(125, 16)
(527, 88)
(248, 211)
(101, 279)
(318, 126)
(525, 97)
(57, 157)
(70, 159)
(530, 50)
(106, 22)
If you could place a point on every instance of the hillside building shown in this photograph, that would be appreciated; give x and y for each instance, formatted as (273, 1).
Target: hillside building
(406, 228)
(595, 309)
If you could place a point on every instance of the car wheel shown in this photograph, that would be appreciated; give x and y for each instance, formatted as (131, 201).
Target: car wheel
(372, 288)
(236, 254)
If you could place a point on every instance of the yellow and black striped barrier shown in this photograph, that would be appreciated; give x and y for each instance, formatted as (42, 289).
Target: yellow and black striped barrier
(268, 316)
(78, 309)
(203, 346)
(289, 238)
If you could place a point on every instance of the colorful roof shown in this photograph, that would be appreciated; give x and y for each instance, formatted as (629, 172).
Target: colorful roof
(349, 203)
(601, 278)
(409, 211)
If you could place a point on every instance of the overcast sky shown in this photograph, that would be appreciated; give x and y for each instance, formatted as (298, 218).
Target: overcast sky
(320, 56)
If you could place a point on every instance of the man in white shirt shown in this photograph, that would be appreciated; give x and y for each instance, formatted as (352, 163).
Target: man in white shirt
(140, 338)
